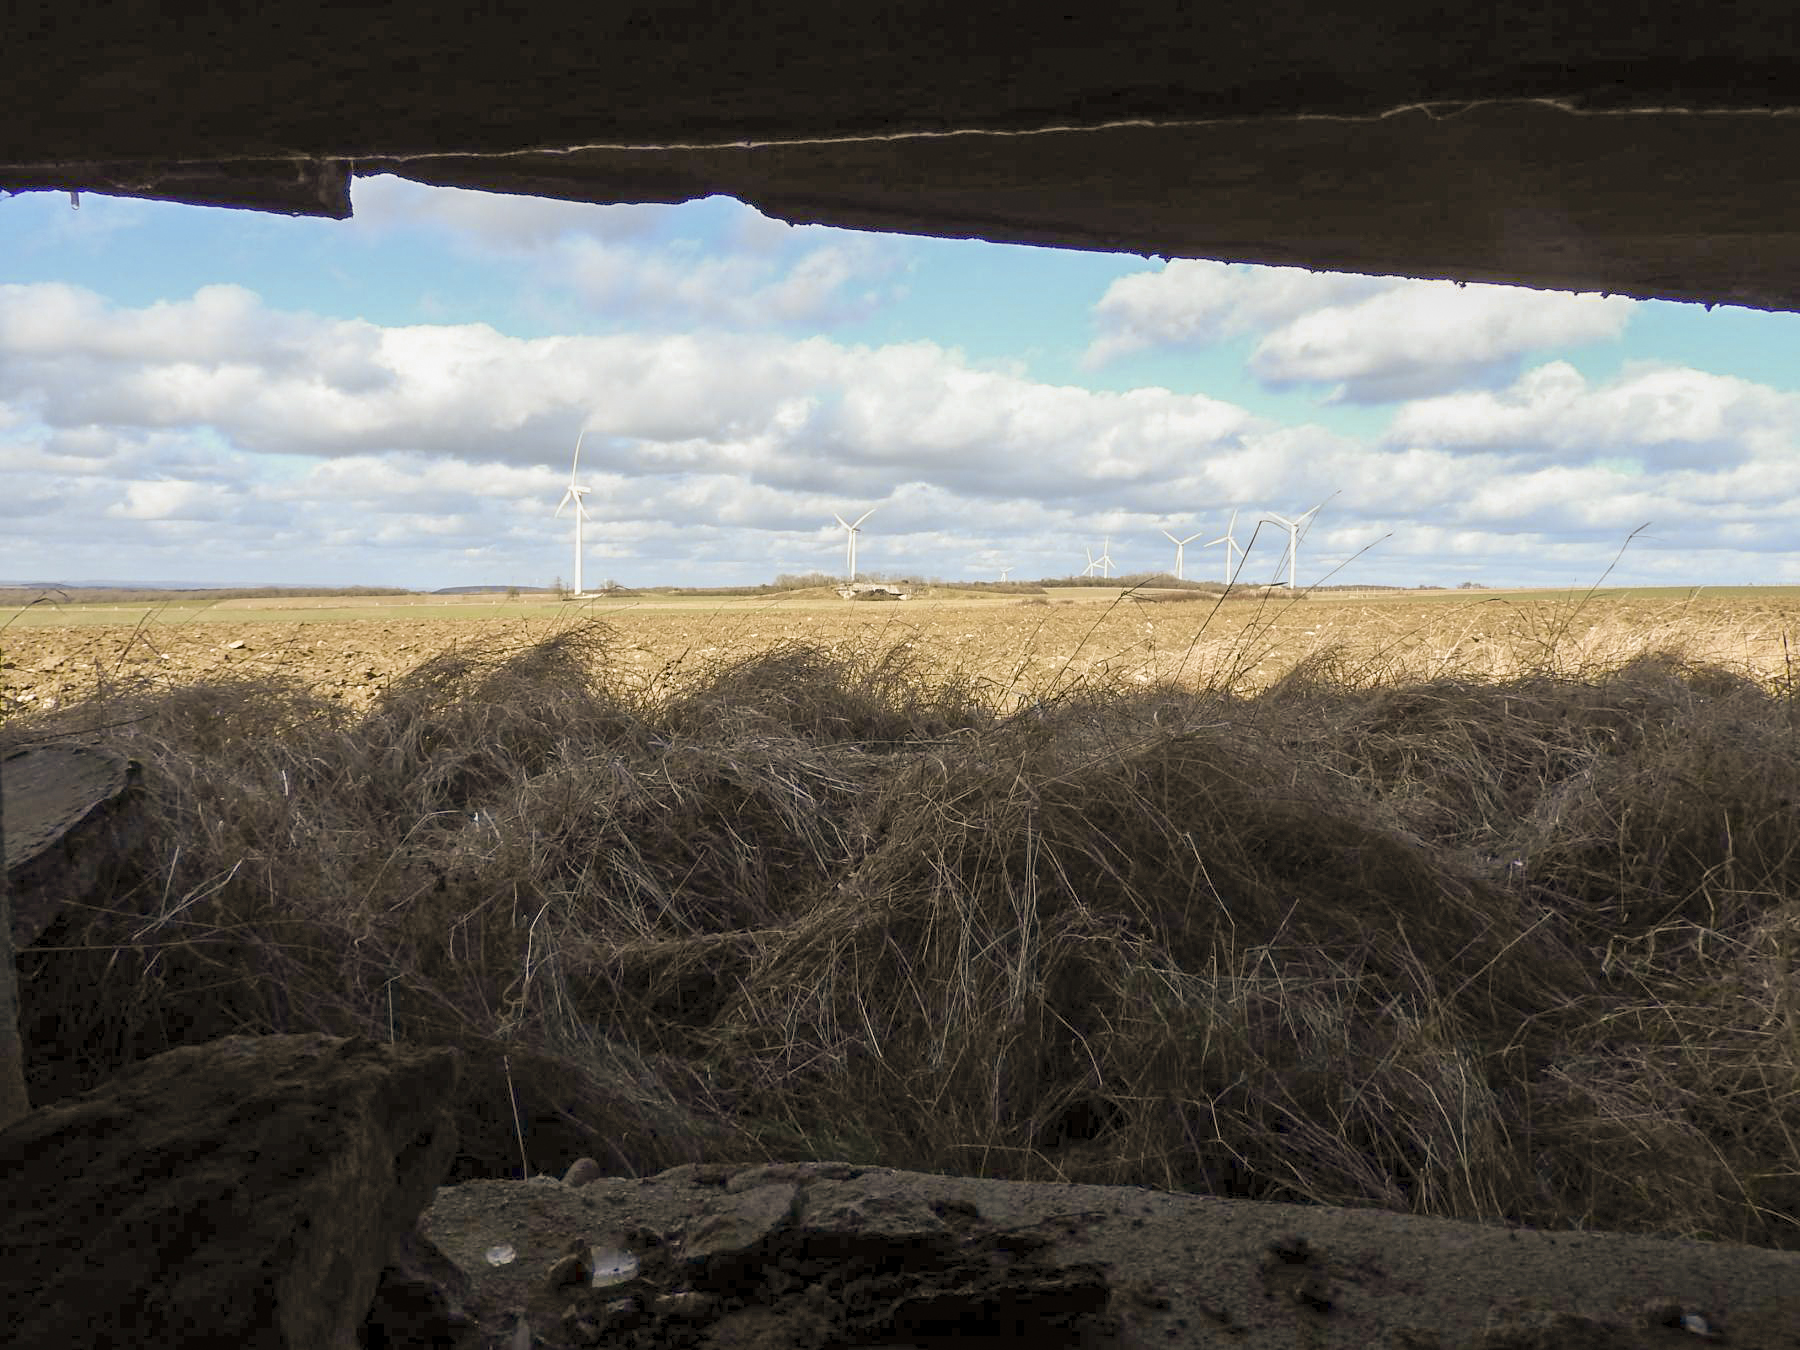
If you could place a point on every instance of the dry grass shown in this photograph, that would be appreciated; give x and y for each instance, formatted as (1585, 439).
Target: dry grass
(1381, 932)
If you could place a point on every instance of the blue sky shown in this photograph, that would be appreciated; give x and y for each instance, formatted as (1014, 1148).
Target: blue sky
(222, 397)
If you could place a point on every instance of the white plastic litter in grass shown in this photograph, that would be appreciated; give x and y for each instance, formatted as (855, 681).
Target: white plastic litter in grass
(501, 1255)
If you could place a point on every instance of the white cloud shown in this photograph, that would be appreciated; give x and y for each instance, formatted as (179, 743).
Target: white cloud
(1425, 336)
(496, 220)
(626, 261)
(1190, 302)
(171, 499)
(1666, 415)
(1374, 339)
(219, 430)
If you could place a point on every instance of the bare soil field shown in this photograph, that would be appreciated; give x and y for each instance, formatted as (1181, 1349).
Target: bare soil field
(1018, 649)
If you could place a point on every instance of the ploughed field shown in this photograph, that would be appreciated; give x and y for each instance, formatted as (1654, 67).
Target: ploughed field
(1017, 649)
(1482, 909)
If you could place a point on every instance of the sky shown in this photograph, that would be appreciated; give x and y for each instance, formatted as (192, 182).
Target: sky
(200, 396)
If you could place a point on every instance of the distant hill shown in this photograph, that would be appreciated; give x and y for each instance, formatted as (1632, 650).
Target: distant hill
(492, 590)
(122, 585)
(139, 593)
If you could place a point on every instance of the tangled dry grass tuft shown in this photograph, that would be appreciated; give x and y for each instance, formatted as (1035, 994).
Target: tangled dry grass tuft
(1478, 946)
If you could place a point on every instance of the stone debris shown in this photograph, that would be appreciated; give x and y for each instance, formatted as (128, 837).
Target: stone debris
(576, 1266)
(581, 1171)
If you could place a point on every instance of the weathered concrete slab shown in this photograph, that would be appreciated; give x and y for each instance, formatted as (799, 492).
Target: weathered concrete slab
(831, 1254)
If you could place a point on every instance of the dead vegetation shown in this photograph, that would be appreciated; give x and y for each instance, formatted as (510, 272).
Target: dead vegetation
(1506, 948)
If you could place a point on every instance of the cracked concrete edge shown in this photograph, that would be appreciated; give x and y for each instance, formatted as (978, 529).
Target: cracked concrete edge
(1182, 1269)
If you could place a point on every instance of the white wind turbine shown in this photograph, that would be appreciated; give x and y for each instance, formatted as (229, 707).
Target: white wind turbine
(1004, 571)
(1296, 529)
(852, 531)
(1104, 562)
(574, 493)
(1180, 545)
(1231, 546)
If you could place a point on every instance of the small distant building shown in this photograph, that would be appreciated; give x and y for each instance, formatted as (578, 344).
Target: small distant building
(872, 590)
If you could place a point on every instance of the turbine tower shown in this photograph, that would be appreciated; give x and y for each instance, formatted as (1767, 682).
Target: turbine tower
(1180, 544)
(852, 531)
(1296, 528)
(1231, 546)
(1104, 562)
(574, 493)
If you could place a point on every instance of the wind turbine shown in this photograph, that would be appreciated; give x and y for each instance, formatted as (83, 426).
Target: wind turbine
(1104, 562)
(1295, 532)
(1231, 546)
(1004, 571)
(852, 530)
(1093, 562)
(574, 493)
(1180, 544)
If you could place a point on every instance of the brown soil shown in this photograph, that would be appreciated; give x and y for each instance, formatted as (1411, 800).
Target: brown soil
(1020, 647)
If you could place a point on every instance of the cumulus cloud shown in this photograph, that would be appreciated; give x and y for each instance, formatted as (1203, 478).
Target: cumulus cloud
(1662, 415)
(639, 261)
(173, 499)
(496, 220)
(217, 429)
(1189, 302)
(1369, 339)
(1424, 336)
(782, 412)
(822, 286)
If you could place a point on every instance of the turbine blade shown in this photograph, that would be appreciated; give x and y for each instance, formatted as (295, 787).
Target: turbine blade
(576, 462)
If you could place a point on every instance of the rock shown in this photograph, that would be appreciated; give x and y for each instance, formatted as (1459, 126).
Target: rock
(581, 1172)
(247, 1192)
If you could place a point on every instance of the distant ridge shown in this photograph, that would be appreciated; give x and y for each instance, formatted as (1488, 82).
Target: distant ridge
(492, 590)
(143, 586)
